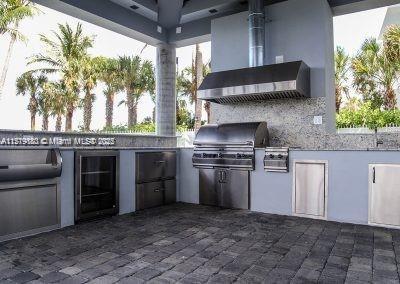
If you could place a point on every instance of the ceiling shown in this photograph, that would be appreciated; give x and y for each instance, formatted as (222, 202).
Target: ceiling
(181, 22)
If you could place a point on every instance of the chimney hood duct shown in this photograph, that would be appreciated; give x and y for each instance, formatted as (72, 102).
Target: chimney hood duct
(259, 82)
(256, 33)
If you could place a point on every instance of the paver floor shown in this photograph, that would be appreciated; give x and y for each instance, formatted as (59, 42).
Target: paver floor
(197, 244)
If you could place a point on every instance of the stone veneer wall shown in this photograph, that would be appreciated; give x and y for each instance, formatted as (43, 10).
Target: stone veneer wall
(290, 123)
(122, 140)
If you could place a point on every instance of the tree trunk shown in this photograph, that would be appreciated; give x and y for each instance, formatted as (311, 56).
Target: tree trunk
(132, 110)
(207, 107)
(68, 118)
(390, 99)
(45, 122)
(199, 78)
(87, 110)
(109, 110)
(58, 123)
(33, 120)
(338, 99)
(6, 64)
(33, 110)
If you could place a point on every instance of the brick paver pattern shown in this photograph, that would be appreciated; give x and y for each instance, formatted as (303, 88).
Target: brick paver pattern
(199, 244)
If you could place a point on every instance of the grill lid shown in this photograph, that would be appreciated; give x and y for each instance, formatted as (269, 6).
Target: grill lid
(285, 80)
(253, 134)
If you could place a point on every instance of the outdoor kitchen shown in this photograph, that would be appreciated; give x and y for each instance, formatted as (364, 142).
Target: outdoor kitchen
(268, 192)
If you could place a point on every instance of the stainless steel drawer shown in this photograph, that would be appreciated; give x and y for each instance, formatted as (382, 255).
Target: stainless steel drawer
(154, 166)
(154, 194)
(28, 208)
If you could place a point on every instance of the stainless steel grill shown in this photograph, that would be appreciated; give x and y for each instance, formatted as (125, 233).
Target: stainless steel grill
(225, 156)
(229, 145)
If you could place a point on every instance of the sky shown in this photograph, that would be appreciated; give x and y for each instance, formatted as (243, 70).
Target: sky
(13, 109)
(349, 32)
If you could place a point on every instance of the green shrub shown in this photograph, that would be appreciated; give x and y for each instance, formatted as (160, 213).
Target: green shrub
(367, 116)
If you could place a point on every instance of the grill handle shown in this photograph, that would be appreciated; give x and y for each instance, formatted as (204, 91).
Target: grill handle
(247, 143)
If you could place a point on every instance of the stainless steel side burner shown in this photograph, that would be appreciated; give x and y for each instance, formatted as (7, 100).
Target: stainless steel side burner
(276, 159)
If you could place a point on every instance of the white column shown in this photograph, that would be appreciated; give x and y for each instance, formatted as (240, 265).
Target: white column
(166, 90)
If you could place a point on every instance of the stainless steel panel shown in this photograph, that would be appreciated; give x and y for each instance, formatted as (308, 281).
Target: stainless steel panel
(233, 189)
(153, 166)
(169, 191)
(276, 159)
(309, 189)
(235, 135)
(17, 165)
(385, 195)
(154, 194)
(208, 184)
(224, 187)
(28, 208)
(285, 80)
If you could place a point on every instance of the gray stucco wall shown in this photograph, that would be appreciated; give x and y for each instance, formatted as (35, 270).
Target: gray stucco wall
(188, 178)
(67, 185)
(298, 30)
(272, 192)
(127, 182)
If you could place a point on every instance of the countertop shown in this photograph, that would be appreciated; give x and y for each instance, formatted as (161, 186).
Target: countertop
(178, 148)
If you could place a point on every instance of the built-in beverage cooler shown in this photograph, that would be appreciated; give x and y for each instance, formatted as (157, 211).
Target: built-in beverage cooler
(97, 186)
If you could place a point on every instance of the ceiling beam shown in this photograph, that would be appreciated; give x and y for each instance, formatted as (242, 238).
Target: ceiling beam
(111, 16)
(342, 7)
(169, 13)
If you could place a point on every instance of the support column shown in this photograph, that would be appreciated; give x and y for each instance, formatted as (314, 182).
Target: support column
(166, 90)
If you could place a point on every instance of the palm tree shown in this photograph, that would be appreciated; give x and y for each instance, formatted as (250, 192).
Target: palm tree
(12, 12)
(110, 76)
(391, 39)
(188, 82)
(372, 65)
(137, 78)
(56, 91)
(65, 54)
(31, 84)
(45, 104)
(207, 104)
(342, 67)
(90, 73)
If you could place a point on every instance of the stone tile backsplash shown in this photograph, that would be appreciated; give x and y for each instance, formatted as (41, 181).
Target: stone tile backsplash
(290, 123)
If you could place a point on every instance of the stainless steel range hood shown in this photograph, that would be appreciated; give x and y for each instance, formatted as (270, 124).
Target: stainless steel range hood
(259, 82)
(278, 81)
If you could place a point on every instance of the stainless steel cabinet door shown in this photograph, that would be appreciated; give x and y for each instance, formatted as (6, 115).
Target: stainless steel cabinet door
(154, 194)
(385, 194)
(233, 191)
(309, 189)
(153, 166)
(27, 208)
(208, 183)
